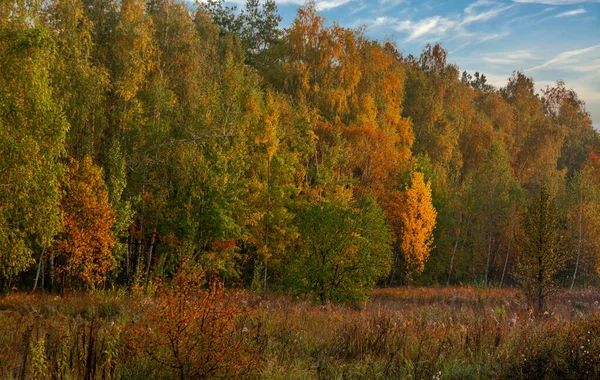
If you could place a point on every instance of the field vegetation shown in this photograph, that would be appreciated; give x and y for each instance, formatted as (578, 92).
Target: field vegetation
(416, 333)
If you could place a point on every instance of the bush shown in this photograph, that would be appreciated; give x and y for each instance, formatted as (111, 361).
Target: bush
(344, 249)
(192, 331)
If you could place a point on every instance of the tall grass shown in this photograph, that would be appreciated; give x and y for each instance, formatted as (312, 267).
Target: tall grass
(448, 333)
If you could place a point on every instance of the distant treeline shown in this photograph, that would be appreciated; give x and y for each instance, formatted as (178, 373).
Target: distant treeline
(136, 133)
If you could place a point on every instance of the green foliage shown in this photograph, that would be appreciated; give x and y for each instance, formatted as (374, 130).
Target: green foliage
(540, 255)
(344, 249)
(214, 128)
(32, 135)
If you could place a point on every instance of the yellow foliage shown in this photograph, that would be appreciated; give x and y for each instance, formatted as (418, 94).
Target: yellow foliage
(418, 221)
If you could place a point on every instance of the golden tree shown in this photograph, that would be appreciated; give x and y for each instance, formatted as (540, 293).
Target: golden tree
(418, 221)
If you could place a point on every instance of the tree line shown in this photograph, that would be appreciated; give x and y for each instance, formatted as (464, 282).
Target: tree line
(137, 133)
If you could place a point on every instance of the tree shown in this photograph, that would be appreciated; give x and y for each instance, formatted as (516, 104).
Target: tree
(32, 138)
(260, 30)
(493, 186)
(80, 84)
(344, 248)
(480, 82)
(84, 248)
(540, 257)
(418, 222)
(583, 216)
(537, 139)
(563, 107)
(193, 331)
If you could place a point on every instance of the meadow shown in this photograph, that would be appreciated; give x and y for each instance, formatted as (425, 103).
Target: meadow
(412, 333)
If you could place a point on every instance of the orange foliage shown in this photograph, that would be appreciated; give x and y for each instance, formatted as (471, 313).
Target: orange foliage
(84, 248)
(418, 222)
(193, 330)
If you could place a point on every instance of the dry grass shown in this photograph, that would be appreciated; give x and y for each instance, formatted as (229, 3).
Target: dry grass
(454, 333)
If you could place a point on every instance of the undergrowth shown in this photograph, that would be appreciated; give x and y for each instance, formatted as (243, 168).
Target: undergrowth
(193, 330)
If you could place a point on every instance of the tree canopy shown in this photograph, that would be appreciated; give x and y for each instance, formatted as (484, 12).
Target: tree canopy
(135, 133)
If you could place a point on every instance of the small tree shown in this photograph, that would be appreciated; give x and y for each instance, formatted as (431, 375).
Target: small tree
(344, 250)
(84, 248)
(418, 222)
(193, 331)
(540, 258)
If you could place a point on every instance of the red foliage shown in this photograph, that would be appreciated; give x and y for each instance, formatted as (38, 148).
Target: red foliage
(193, 331)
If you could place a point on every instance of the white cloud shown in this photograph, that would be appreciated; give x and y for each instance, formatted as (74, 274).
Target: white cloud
(571, 13)
(529, 16)
(330, 4)
(380, 21)
(574, 12)
(508, 58)
(588, 68)
(432, 26)
(392, 2)
(440, 26)
(564, 57)
(483, 16)
(555, 2)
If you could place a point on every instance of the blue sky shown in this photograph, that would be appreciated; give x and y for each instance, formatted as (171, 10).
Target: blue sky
(547, 39)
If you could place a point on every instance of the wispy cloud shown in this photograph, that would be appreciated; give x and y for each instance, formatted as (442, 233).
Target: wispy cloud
(478, 39)
(471, 16)
(529, 16)
(440, 26)
(392, 2)
(574, 12)
(431, 26)
(330, 4)
(554, 2)
(588, 68)
(564, 57)
(571, 13)
(509, 58)
(477, 4)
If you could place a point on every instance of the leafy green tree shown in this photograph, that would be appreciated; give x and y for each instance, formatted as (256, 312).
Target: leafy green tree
(344, 248)
(563, 107)
(439, 106)
(583, 217)
(260, 30)
(80, 84)
(491, 197)
(32, 136)
(540, 256)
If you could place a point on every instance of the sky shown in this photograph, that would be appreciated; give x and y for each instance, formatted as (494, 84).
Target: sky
(547, 39)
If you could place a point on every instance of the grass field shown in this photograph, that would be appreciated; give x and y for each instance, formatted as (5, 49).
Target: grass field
(413, 333)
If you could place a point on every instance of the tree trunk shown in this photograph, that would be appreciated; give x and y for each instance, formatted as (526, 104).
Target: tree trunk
(150, 251)
(266, 219)
(512, 233)
(395, 265)
(487, 262)
(52, 273)
(39, 269)
(540, 284)
(127, 259)
(578, 240)
(451, 266)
